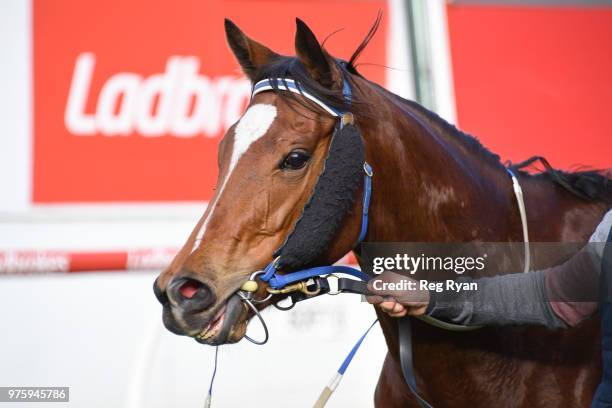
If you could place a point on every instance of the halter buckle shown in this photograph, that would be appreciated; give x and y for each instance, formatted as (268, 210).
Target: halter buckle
(301, 286)
(347, 118)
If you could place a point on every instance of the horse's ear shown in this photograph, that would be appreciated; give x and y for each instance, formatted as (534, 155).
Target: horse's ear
(319, 64)
(250, 54)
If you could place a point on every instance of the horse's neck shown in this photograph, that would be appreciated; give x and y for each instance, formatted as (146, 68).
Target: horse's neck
(429, 186)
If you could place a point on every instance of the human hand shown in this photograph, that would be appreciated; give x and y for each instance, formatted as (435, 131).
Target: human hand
(396, 296)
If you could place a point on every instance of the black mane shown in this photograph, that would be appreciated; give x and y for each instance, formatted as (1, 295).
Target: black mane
(590, 185)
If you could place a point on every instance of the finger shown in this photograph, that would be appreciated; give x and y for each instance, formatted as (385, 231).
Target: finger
(403, 313)
(416, 311)
(398, 307)
(374, 300)
(387, 306)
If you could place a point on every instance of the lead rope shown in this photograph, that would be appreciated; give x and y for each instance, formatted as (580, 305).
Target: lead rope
(245, 299)
(337, 378)
(208, 400)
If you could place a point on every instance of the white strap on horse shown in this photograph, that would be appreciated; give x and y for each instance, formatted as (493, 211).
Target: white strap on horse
(518, 192)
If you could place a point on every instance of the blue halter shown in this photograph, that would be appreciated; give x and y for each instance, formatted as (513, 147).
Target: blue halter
(271, 275)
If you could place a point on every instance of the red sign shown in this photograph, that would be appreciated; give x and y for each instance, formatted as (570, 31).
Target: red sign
(132, 96)
(535, 80)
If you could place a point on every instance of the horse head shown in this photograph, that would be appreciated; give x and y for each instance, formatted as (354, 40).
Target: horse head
(269, 163)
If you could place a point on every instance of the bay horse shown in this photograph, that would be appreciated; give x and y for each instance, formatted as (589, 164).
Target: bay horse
(431, 183)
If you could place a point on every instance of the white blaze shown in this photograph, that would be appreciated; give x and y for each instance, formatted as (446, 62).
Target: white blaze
(252, 126)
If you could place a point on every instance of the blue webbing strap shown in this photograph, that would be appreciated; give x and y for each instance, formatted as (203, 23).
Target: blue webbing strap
(351, 354)
(280, 281)
(347, 93)
(208, 400)
(337, 378)
(367, 193)
(269, 272)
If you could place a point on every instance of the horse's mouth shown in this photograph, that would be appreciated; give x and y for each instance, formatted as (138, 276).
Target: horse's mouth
(228, 325)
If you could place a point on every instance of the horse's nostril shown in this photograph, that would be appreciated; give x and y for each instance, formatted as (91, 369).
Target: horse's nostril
(191, 295)
(190, 288)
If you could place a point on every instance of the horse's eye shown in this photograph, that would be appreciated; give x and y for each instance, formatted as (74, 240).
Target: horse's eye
(295, 160)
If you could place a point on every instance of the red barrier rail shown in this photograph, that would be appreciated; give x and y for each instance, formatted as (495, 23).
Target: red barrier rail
(35, 261)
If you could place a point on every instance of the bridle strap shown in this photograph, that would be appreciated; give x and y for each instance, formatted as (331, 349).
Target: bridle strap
(367, 193)
(288, 84)
(280, 281)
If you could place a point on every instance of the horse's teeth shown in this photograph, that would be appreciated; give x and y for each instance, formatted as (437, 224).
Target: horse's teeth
(206, 333)
(203, 332)
(211, 330)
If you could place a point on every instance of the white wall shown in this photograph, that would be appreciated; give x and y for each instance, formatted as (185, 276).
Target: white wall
(101, 334)
(15, 105)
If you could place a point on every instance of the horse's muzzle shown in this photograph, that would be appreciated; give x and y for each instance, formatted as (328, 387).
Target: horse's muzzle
(191, 309)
